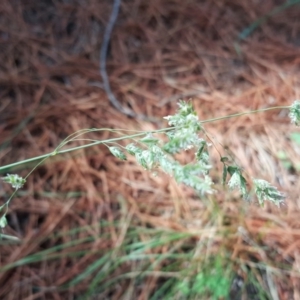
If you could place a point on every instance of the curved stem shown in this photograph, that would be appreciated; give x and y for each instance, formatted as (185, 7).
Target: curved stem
(244, 113)
(45, 156)
(80, 132)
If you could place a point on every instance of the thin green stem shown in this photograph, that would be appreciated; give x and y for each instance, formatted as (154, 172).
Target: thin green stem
(80, 132)
(7, 202)
(73, 136)
(9, 237)
(38, 164)
(245, 113)
(45, 156)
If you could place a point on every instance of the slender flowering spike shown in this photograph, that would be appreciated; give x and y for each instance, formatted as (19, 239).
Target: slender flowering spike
(3, 222)
(141, 159)
(167, 165)
(235, 181)
(264, 191)
(181, 139)
(202, 155)
(133, 149)
(15, 180)
(238, 181)
(185, 108)
(295, 113)
(186, 117)
(148, 157)
(117, 152)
